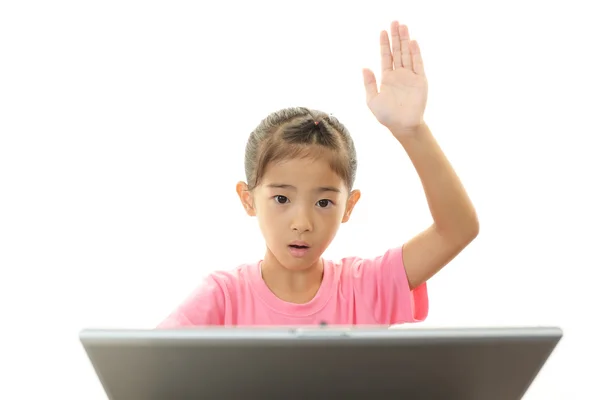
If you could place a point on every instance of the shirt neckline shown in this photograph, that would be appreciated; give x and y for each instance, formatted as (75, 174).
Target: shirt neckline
(316, 304)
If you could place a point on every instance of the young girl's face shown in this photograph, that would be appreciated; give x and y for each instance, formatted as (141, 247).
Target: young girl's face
(300, 204)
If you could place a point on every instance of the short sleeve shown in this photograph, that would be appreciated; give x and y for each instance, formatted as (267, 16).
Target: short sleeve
(383, 284)
(205, 306)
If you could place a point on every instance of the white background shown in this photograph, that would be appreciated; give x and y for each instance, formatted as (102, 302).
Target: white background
(122, 131)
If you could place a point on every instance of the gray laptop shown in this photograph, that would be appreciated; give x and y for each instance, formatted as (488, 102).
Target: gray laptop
(319, 363)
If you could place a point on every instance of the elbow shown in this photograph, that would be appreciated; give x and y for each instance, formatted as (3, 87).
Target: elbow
(461, 232)
(464, 233)
(471, 229)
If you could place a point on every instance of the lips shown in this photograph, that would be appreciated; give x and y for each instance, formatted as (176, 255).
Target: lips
(299, 245)
(298, 249)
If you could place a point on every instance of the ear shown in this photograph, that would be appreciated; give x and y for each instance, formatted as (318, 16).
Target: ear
(352, 200)
(246, 198)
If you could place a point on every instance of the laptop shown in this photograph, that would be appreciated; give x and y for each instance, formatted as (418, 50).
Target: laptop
(319, 363)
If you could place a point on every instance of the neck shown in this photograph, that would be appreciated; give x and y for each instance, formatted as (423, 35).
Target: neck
(298, 286)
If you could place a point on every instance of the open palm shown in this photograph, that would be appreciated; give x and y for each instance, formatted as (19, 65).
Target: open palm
(399, 104)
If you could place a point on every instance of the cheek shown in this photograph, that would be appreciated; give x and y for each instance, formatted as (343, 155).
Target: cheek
(270, 220)
(335, 214)
(330, 220)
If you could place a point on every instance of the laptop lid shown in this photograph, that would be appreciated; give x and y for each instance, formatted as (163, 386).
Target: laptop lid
(293, 363)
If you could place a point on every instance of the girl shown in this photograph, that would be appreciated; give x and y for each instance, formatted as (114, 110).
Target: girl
(300, 167)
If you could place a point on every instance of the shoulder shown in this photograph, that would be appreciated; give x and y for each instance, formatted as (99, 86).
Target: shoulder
(232, 278)
(369, 273)
(390, 261)
(230, 285)
(212, 298)
(381, 282)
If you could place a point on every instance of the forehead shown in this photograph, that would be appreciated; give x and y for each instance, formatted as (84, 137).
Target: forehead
(302, 172)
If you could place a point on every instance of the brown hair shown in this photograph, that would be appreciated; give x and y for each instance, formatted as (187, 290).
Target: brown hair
(300, 132)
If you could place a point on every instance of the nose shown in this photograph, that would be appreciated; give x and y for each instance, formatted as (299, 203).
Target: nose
(302, 221)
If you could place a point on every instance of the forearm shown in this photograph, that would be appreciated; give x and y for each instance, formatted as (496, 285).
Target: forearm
(453, 213)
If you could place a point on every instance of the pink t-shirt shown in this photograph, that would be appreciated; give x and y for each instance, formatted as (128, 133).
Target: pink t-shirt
(354, 291)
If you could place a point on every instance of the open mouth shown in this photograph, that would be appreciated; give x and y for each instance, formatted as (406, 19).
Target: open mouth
(298, 249)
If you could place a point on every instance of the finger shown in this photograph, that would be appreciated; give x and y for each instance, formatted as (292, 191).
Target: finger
(396, 49)
(404, 46)
(386, 55)
(417, 59)
(370, 84)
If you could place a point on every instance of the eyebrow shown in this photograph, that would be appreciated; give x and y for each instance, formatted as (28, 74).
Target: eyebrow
(290, 187)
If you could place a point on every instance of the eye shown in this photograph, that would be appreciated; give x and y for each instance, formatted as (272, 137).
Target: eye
(324, 203)
(281, 199)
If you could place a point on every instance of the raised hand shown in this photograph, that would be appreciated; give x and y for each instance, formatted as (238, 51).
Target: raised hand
(399, 104)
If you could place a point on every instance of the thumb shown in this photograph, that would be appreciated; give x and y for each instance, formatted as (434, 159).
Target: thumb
(370, 84)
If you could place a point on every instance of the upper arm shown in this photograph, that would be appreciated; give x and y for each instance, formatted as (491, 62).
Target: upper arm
(205, 306)
(428, 252)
